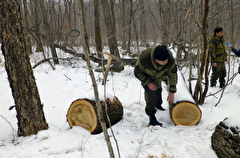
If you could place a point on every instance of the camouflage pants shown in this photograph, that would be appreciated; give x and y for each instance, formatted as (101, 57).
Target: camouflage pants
(218, 72)
(152, 99)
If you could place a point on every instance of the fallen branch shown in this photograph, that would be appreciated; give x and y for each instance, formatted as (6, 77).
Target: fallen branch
(228, 83)
(48, 60)
(114, 61)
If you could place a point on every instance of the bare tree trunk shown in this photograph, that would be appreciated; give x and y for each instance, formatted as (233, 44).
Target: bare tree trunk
(190, 48)
(124, 25)
(205, 49)
(110, 27)
(96, 94)
(198, 86)
(143, 24)
(74, 14)
(232, 24)
(98, 38)
(165, 20)
(27, 35)
(199, 96)
(70, 13)
(130, 26)
(135, 31)
(30, 113)
(49, 32)
(37, 26)
(84, 35)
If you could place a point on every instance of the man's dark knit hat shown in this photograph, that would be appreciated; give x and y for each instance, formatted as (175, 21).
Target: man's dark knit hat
(161, 53)
(217, 29)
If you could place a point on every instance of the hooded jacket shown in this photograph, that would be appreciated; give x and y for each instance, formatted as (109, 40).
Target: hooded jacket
(148, 70)
(217, 49)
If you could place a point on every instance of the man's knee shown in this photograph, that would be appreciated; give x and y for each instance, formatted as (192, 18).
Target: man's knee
(223, 73)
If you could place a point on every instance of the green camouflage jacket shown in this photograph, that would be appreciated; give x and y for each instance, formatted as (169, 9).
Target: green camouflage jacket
(217, 49)
(148, 70)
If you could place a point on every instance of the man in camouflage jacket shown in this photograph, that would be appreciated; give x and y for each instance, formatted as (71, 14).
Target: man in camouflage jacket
(217, 50)
(152, 66)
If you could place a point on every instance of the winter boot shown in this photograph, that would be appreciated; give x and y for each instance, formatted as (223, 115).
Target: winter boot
(213, 84)
(222, 85)
(153, 121)
(159, 107)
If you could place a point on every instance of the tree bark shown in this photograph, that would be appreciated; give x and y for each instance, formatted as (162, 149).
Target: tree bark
(164, 18)
(96, 94)
(49, 32)
(200, 95)
(116, 60)
(225, 141)
(83, 112)
(124, 24)
(27, 26)
(98, 38)
(30, 113)
(37, 27)
(110, 27)
(205, 61)
(130, 26)
(143, 25)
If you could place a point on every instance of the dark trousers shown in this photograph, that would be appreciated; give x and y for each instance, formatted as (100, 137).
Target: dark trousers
(218, 72)
(152, 98)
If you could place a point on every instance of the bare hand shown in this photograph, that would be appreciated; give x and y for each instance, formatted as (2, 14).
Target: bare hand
(152, 86)
(214, 64)
(170, 98)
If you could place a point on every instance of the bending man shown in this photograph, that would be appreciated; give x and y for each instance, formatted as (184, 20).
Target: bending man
(152, 66)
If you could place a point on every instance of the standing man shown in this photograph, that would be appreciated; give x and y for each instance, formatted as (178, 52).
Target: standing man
(217, 50)
(154, 64)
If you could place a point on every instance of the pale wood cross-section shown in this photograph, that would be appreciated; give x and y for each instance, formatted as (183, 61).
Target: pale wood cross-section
(185, 113)
(83, 112)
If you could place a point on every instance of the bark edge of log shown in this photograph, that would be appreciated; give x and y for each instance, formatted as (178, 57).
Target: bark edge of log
(83, 112)
(225, 140)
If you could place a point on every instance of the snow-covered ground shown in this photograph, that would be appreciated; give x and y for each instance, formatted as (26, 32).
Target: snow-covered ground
(59, 88)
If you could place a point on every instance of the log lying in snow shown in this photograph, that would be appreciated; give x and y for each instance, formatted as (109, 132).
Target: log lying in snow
(184, 111)
(225, 139)
(83, 112)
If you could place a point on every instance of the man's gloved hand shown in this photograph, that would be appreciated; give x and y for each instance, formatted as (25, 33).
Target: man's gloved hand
(229, 45)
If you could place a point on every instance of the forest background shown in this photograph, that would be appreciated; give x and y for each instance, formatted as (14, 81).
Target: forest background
(185, 25)
(130, 24)
(135, 22)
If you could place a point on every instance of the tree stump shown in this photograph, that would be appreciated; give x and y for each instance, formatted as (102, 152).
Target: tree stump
(83, 112)
(185, 113)
(226, 140)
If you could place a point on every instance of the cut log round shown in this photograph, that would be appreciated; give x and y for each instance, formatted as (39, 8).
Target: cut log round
(183, 110)
(185, 113)
(83, 112)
